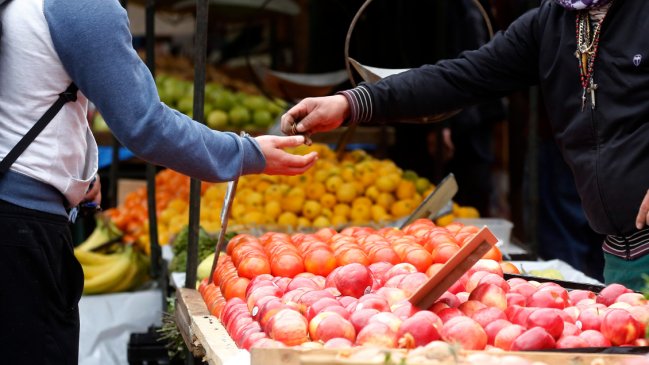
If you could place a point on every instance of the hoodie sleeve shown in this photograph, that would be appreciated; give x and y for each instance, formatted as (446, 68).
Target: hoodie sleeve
(93, 41)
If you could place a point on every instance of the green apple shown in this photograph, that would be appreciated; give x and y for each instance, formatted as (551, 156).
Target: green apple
(217, 119)
(262, 118)
(239, 116)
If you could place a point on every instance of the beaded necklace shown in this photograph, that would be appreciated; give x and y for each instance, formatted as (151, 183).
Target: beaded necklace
(586, 53)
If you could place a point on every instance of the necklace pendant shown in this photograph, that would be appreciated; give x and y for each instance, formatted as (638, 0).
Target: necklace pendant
(584, 63)
(591, 89)
(583, 99)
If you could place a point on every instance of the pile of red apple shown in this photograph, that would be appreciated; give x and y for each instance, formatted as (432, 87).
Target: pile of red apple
(367, 305)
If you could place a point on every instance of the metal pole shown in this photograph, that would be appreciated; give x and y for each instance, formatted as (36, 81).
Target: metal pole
(158, 268)
(200, 51)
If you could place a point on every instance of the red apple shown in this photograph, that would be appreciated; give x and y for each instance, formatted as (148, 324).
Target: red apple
(548, 297)
(411, 282)
(465, 331)
(373, 300)
(319, 305)
(248, 341)
(377, 334)
(488, 265)
(516, 299)
(449, 298)
(518, 315)
(595, 338)
(572, 312)
(354, 280)
(262, 291)
(302, 282)
(288, 326)
(609, 294)
(571, 342)
(338, 343)
(570, 329)
(488, 315)
(535, 338)
(388, 318)
(591, 318)
(489, 294)
(635, 299)
(361, 317)
(548, 318)
(619, 327)
(492, 329)
(392, 295)
(506, 336)
(471, 306)
(578, 294)
(447, 313)
(418, 330)
(327, 325)
(398, 269)
(404, 309)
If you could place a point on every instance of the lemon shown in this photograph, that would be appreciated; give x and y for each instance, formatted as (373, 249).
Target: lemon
(326, 212)
(342, 210)
(328, 200)
(333, 183)
(238, 211)
(320, 175)
(347, 174)
(372, 192)
(292, 203)
(338, 220)
(468, 212)
(379, 213)
(405, 189)
(385, 184)
(287, 219)
(254, 199)
(346, 192)
(402, 207)
(275, 192)
(315, 190)
(303, 222)
(253, 217)
(386, 200)
(422, 184)
(360, 214)
(445, 220)
(362, 200)
(272, 209)
(321, 222)
(311, 209)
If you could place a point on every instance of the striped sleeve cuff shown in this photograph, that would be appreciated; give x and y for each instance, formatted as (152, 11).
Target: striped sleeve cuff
(360, 103)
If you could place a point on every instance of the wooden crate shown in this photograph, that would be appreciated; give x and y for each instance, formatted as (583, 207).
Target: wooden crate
(205, 336)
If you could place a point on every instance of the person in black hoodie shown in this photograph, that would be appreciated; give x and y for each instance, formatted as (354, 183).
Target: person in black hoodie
(589, 59)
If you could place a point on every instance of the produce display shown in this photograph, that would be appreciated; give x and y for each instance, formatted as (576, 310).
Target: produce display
(358, 189)
(346, 289)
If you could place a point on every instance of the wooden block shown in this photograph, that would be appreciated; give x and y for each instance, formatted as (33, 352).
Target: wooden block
(453, 269)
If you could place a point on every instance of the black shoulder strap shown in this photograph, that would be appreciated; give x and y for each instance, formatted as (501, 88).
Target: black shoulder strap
(70, 94)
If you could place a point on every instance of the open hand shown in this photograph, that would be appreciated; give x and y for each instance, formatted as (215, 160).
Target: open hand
(280, 162)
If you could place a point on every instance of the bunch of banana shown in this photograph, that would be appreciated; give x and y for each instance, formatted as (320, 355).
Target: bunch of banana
(112, 272)
(105, 233)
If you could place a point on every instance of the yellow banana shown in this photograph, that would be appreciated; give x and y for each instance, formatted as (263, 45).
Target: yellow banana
(109, 278)
(128, 279)
(105, 231)
(94, 258)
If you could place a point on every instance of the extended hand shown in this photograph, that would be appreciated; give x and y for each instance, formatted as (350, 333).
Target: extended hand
(643, 213)
(313, 115)
(280, 162)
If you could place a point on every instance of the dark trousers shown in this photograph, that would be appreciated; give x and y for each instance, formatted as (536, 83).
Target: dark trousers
(40, 286)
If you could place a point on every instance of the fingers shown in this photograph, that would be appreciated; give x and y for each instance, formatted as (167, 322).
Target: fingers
(288, 164)
(292, 141)
(643, 213)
